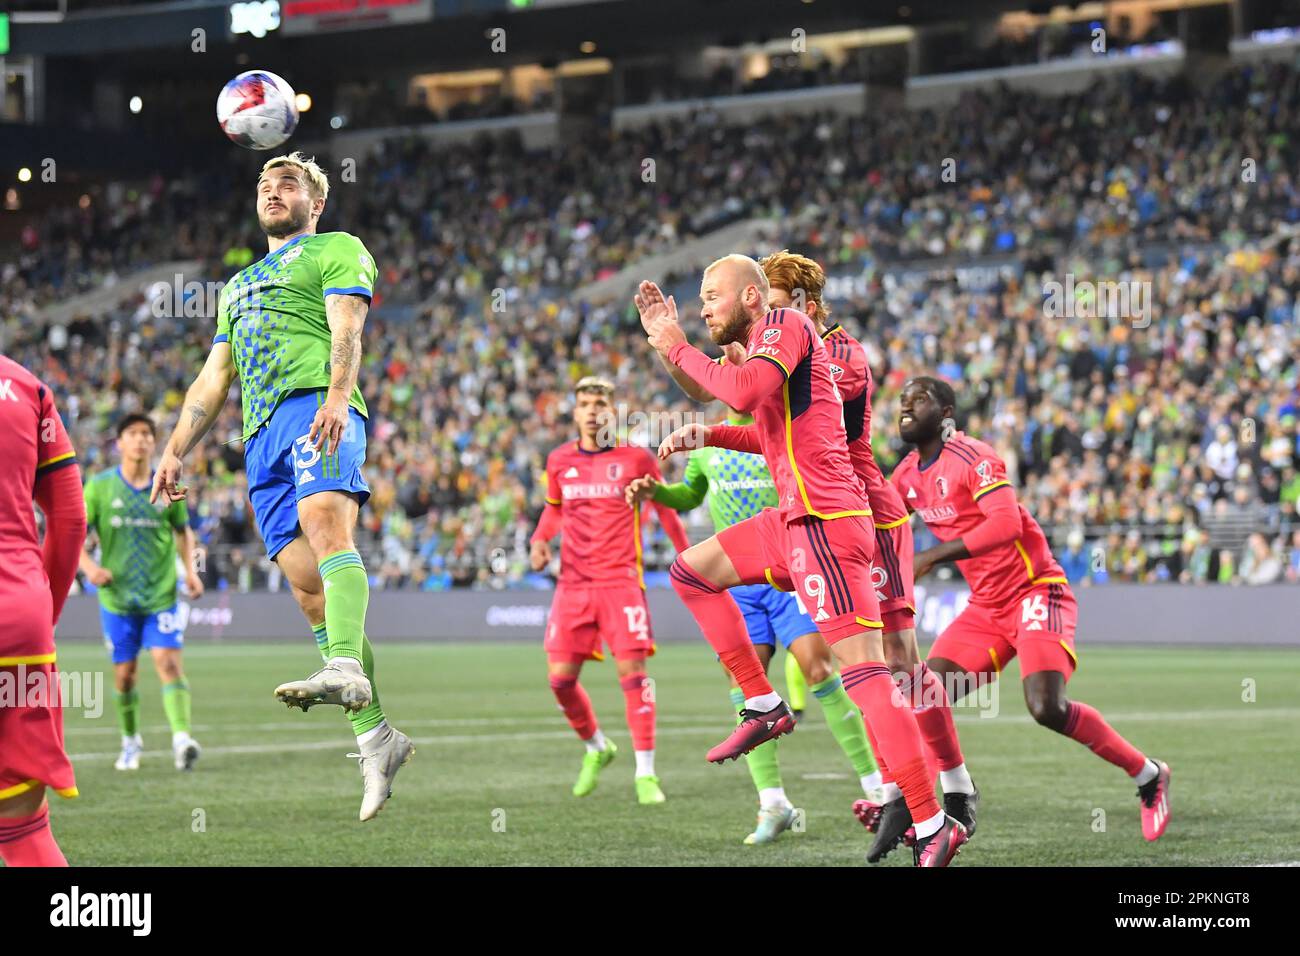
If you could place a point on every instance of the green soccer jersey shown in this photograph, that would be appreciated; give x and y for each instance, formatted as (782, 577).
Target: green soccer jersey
(273, 315)
(737, 484)
(135, 542)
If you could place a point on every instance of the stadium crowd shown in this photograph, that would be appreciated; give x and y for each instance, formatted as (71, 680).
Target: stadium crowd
(1168, 451)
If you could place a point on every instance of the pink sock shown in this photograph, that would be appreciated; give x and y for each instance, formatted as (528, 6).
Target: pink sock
(720, 620)
(640, 700)
(27, 841)
(873, 690)
(576, 705)
(934, 717)
(1089, 727)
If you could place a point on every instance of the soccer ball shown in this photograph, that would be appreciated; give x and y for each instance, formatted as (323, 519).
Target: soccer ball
(257, 110)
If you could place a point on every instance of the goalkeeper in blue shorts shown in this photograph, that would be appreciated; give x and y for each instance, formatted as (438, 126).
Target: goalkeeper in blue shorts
(738, 485)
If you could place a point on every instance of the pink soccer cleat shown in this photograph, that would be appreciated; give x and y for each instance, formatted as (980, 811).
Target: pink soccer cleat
(754, 729)
(940, 847)
(1154, 797)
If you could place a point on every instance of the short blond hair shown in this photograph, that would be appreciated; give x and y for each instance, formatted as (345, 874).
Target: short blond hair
(318, 183)
(594, 383)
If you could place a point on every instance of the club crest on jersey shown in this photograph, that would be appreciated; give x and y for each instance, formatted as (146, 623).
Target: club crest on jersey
(292, 254)
(836, 371)
(941, 485)
(614, 472)
(771, 335)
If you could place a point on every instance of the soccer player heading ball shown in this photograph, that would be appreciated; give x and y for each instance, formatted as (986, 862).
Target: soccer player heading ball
(1020, 603)
(289, 326)
(819, 540)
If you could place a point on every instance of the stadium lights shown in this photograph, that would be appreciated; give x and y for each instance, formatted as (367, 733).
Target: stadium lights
(587, 46)
(303, 102)
(24, 175)
(135, 105)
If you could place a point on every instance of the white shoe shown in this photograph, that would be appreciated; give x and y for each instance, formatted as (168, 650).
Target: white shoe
(341, 682)
(380, 762)
(129, 758)
(186, 751)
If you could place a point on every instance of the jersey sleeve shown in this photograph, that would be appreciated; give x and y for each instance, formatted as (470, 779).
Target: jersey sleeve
(223, 316)
(346, 267)
(91, 496)
(896, 479)
(985, 474)
(54, 448)
(690, 491)
(551, 483)
(780, 337)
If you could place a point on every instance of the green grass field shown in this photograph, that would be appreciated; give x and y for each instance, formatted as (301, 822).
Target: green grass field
(490, 781)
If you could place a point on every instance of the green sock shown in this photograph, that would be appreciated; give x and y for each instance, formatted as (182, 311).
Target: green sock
(322, 642)
(128, 711)
(845, 722)
(176, 702)
(370, 716)
(762, 763)
(347, 592)
(796, 688)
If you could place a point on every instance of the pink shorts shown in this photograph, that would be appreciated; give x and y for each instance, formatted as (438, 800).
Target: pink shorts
(1038, 628)
(827, 561)
(891, 576)
(581, 617)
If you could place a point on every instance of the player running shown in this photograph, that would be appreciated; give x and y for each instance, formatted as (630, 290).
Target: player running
(39, 465)
(819, 539)
(737, 486)
(1021, 604)
(136, 582)
(790, 275)
(601, 592)
(289, 326)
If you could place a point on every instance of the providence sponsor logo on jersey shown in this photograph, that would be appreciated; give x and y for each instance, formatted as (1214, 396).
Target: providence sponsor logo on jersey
(74, 908)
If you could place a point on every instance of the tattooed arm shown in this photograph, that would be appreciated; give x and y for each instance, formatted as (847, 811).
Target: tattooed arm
(346, 315)
(202, 405)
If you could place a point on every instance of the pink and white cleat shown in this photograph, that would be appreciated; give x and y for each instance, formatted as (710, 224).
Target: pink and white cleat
(1154, 797)
(939, 848)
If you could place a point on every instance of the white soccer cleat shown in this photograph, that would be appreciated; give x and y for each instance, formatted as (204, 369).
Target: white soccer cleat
(129, 758)
(186, 751)
(341, 681)
(383, 757)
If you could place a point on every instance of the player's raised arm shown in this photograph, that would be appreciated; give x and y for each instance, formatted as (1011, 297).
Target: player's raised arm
(199, 413)
(666, 514)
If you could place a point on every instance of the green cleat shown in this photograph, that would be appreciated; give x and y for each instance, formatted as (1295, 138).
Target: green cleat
(593, 762)
(772, 822)
(647, 790)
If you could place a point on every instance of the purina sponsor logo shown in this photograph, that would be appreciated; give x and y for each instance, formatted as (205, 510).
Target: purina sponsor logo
(593, 490)
(517, 615)
(130, 910)
(941, 513)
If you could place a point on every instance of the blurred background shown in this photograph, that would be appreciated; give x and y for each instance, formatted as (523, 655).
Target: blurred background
(516, 165)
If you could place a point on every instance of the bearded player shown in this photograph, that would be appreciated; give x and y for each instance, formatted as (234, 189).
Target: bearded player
(820, 540)
(601, 593)
(289, 327)
(39, 465)
(1021, 604)
(798, 281)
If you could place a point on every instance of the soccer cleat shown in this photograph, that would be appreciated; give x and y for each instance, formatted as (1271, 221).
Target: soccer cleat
(593, 762)
(379, 762)
(647, 790)
(868, 814)
(772, 822)
(129, 758)
(962, 807)
(895, 821)
(341, 683)
(939, 848)
(754, 729)
(186, 752)
(1154, 797)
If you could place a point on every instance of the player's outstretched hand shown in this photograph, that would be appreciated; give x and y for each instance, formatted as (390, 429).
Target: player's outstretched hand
(651, 305)
(639, 489)
(193, 586)
(686, 438)
(539, 555)
(735, 353)
(328, 426)
(168, 479)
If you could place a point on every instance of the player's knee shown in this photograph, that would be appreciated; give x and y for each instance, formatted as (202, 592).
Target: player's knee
(1047, 708)
(818, 669)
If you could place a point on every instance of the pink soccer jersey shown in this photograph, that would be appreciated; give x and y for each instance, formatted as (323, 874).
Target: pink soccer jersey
(950, 495)
(600, 535)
